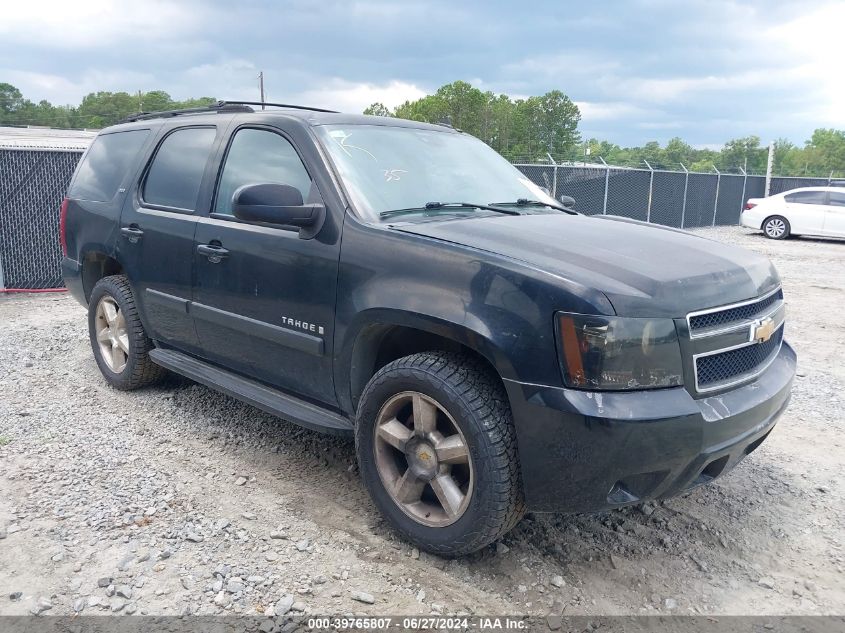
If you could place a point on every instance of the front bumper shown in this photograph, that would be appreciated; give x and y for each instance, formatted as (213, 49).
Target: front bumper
(583, 451)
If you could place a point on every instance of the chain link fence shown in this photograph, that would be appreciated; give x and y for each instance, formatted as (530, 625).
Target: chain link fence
(781, 184)
(32, 185)
(33, 182)
(674, 198)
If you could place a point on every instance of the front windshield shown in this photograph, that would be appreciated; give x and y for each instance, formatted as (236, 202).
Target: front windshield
(385, 168)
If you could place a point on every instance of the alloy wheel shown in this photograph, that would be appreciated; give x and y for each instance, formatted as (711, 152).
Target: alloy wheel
(112, 336)
(775, 228)
(423, 459)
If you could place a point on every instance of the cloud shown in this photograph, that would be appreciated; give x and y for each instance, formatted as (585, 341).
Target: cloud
(602, 111)
(64, 90)
(639, 70)
(816, 45)
(98, 24)
(339, 94)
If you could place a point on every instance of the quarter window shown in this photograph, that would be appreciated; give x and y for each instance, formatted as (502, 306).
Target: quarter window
(105, 165)
(176, 172)
(259, 157)
(807, 197)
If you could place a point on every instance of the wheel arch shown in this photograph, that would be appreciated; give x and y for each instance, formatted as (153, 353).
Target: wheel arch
(95, 265)
(393, 335)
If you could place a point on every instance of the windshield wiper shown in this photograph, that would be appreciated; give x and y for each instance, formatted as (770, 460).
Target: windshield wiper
(447, 206)
(525, 202)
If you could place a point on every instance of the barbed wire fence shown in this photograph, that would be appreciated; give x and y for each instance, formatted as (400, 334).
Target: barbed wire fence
(682, 198)
(34, 181)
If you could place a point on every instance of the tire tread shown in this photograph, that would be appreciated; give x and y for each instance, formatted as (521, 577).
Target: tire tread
(143, 371)
(471, 380)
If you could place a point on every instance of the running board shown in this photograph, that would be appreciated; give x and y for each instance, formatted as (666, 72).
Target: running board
(252, 392)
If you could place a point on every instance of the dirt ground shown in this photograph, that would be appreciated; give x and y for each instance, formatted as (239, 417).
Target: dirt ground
(179, 500)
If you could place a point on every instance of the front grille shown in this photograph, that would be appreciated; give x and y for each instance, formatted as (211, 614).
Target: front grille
(730, 316)
(723, 367)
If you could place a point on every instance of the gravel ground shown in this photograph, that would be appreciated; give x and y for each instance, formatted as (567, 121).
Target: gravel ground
(178, 500)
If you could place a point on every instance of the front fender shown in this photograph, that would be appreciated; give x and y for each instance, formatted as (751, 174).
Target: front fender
(499, 307)
(366, 332)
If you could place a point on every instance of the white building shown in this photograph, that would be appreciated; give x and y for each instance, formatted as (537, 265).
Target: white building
(45, 138)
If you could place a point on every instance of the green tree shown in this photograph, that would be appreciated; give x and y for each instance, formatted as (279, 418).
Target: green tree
(11, 100)
(825, 152)
(525, 128)
(154, 101)
(677, 152)
(377, 109)
(743, 152)
(198, 102)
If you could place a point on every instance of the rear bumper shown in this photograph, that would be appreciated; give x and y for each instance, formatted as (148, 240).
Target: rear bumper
(746, 220)
(72, 274)
(584, 451)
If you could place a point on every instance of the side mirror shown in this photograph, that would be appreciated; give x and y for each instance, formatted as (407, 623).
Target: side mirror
(277, 204)
(567, 201)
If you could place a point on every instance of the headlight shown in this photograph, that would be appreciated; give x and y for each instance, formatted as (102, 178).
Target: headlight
(601, 352)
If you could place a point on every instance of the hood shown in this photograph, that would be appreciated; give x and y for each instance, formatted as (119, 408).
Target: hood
(644, 270)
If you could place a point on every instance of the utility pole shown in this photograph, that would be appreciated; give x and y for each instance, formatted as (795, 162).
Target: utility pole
(140, 102)
(650, 189)
(769, 168)
(261, 87)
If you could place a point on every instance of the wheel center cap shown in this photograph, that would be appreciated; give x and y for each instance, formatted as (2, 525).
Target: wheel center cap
(422, 459)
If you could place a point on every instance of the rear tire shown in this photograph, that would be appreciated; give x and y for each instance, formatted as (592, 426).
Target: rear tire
(437, 451)
(776, 227)
(120, 344)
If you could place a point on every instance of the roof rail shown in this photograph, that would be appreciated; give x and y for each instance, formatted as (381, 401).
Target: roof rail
(279, 105)
(219, 106)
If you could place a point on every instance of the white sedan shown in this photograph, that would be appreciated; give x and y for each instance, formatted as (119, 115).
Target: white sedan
(817, 211)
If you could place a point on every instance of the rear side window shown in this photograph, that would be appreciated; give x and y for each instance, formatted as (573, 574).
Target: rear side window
(807, 197)
(105, 165)
(260, 157)
(837, 199)
(175, 175)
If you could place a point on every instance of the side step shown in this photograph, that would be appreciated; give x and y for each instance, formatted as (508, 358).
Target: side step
(252, 392)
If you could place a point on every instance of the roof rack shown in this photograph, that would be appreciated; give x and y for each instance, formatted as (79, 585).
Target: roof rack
(279, 105)
(219, 107)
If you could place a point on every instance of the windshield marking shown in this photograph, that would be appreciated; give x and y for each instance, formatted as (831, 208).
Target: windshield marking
(341, 136)
(394, 174)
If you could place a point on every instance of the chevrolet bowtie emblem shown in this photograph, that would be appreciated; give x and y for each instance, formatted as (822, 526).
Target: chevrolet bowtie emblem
(761, 331)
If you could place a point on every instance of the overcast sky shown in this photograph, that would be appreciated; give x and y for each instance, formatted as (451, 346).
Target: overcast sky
(639, 70)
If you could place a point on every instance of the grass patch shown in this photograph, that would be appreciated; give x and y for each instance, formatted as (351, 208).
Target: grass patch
(4, 439)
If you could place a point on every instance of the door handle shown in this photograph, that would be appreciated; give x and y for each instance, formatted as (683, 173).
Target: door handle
(132, 232)
(215, 254)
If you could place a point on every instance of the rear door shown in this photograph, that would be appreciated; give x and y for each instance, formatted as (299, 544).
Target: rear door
(264, 298)
(834, 218)
(157, 232)
(805, 211)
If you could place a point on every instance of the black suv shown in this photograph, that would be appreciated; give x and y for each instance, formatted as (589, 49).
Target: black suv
(490, 350)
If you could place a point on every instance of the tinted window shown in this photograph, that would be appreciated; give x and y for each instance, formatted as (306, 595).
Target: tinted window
(259, 157)
(104, 166)
(386, 168)
(176, 173)
(807, 197)
(837, 199)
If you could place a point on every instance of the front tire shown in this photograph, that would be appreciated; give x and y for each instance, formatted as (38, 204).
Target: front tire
(120, 344)
(437, 451)
(776, 227)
